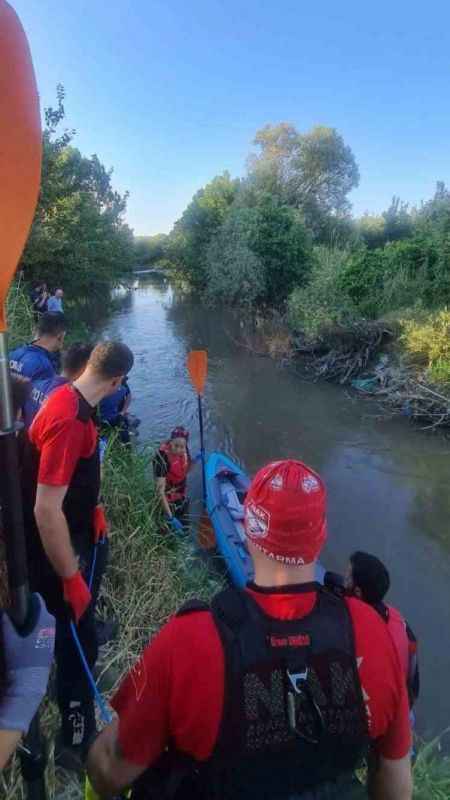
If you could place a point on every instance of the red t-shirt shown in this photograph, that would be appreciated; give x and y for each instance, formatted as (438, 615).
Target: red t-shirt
(61, 437)
(175, 691)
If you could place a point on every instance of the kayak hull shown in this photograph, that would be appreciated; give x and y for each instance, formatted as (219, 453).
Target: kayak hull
(229, 531)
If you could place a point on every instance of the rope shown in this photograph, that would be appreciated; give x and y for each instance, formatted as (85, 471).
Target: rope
(104, 710)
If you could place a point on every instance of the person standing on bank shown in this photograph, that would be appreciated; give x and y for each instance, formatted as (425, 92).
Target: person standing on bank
(273, 692)
(55, 302)
(63, 483)
(39, 360)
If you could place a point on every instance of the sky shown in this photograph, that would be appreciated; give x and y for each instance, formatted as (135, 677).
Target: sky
(170, 93)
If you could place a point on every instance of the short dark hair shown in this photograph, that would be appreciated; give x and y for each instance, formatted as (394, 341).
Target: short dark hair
(370, 576)
(20, 391)
(52, 323)
(75, 358)
(111, 359)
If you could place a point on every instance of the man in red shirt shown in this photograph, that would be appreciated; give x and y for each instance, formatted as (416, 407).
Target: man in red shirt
(61, 480)
(273, 692)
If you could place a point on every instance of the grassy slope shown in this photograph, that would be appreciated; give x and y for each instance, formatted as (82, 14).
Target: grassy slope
(150, 575)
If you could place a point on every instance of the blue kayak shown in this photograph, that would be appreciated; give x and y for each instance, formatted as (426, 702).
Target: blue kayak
(226, 487)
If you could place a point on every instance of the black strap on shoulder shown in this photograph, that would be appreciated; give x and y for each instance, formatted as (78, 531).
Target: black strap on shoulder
(228, 607)
(191, 606)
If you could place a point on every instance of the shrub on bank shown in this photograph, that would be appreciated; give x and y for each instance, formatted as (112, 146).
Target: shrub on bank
(427, 342)
(322, 303)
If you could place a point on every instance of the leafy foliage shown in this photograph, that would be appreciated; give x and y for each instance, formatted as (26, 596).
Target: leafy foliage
(235, 274)
(258, 255)
(313, 172)
(150, 250)
(78, 238)
(428, 343)
(322, 302)
(201, 220)
(236, 233)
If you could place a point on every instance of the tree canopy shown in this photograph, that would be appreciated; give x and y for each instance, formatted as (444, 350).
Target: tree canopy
(78, 238)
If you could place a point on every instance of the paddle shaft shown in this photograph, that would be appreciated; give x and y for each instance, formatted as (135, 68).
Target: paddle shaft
(202, 447)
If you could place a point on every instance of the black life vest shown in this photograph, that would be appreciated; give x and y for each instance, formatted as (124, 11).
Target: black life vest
(79, 504)
(294, 723)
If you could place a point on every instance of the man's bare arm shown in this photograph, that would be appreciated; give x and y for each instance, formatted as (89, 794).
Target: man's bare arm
(54, 530)
(109, 772)
(391, 780)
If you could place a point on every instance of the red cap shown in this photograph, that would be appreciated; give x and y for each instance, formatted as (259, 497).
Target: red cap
(285, 512)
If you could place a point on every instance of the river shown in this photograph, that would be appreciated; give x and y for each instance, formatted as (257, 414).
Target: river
(388, 483)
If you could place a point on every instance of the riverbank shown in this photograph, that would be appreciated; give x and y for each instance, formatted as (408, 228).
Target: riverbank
(403, 364)
(151, 573)
(160, 331)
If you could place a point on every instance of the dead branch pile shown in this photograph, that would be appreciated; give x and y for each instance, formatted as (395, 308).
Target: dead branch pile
(423, 404)
(350, 351)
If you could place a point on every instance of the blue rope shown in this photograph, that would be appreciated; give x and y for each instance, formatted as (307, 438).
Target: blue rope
(94, 561)
(104, 710)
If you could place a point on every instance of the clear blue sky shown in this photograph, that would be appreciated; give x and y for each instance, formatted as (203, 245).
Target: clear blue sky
(171, 92)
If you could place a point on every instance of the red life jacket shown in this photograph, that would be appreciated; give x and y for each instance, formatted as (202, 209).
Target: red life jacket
(397, 628)
(177, 474)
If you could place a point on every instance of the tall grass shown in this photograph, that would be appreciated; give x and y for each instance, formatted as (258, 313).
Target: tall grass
(19, 315)
(152, 572)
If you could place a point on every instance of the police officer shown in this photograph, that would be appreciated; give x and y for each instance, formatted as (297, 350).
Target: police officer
(61, 479)
(272, 693)
(40, 359)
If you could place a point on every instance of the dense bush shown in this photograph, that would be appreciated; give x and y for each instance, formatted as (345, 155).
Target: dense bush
(258, 255)
(322, 302)
(428, 343)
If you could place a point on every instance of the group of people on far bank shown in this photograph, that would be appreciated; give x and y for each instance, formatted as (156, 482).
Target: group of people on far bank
(277, 691)
(42, 300)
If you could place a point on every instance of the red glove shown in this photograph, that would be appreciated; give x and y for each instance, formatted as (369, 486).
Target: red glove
(100, 524)
(77, 594)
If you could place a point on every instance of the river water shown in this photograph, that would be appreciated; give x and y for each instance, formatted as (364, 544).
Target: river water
(388, 483)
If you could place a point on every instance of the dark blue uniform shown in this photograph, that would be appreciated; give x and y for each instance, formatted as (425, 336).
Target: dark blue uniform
(33, 362)
(112, 406)
(39, 394)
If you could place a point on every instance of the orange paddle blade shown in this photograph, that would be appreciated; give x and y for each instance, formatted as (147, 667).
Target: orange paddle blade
(197, 365)
(206, 536)
(20, 146)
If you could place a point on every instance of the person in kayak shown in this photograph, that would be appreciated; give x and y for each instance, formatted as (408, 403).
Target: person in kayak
(61, 481)
(368, 578)
(275, 691)
(40, 359)
(74, 362)
(171, 466)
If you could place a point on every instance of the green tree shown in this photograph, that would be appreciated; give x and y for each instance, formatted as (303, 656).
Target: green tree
(313, 172)
(150, 249)
(78, 238)
(259, 254)
(235, 274)
(193, 233)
